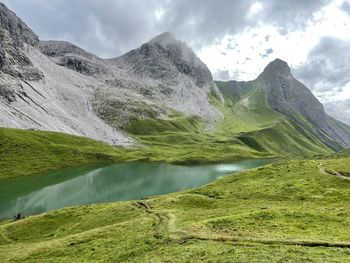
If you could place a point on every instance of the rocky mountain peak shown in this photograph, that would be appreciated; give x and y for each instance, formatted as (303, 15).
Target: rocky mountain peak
(277, 67)
(288, 96)
(166, 58)
(164, 39)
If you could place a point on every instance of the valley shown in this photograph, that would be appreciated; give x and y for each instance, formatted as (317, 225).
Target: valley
(146, 158)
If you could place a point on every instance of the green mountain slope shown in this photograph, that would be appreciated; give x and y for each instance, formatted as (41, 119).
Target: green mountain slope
(249, 117)
(275, 113)
(293, 211)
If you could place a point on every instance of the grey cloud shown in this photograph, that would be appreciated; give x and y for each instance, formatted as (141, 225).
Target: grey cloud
(199, 22)
(327, 66)
(107, 27)
(340, 110)
(266, 53)
(111, 27)
(222, 75)
(345, 7)
(230, 46)
(290, 15)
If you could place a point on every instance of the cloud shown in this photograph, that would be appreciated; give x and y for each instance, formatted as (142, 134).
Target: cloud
(106, 28)
(111, 27)
(222, 75)
(345, 7)
(326, 70)
(266, 53)
(290, 15)
(340, 110)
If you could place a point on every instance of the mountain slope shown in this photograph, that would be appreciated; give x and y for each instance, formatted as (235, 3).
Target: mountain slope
(285, 113)
(57, 86)
(35, 93)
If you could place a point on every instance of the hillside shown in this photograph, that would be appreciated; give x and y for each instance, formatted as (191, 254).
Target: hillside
(289, 211)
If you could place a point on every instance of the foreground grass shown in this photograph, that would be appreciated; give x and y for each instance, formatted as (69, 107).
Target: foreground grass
(284, 212)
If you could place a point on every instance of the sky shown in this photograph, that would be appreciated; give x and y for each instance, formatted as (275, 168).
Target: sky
(236, 39)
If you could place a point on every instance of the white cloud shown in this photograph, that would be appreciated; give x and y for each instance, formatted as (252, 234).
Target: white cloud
(255, 8)
(242, 52)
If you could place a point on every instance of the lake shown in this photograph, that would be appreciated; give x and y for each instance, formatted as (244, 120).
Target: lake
(101, 183)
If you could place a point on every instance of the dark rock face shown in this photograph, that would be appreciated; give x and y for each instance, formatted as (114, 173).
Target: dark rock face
(14, 35)
(70, 56)
(61, 48)
(7, 94)
(288, 96)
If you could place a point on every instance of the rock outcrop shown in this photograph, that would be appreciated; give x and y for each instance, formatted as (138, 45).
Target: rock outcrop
(15, 37)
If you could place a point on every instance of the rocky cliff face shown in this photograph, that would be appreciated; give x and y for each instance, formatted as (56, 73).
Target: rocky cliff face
(15, 36)
(35, 93)
(288, 96)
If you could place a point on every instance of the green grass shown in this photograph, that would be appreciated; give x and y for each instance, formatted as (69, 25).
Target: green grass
(25, 152)
(284, 212)
(181, 139)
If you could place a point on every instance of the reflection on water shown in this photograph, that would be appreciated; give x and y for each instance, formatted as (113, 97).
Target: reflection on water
(96, 184)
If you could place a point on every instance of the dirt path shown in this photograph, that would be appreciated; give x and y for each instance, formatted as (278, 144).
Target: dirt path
(165, 227)
(332, 173)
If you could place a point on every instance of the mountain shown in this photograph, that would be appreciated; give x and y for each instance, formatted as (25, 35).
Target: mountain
(159, 95)
(288, 96)
(282, 93)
